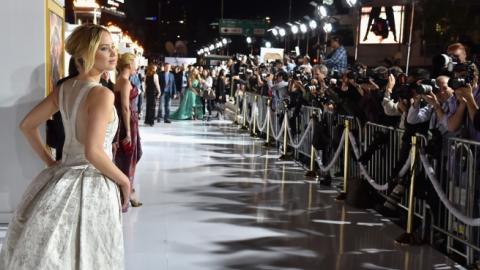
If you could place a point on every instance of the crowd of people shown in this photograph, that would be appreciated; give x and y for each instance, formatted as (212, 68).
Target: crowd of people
(200, 91)
(440, 102)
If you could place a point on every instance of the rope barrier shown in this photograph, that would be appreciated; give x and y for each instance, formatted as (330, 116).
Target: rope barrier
(304, 136)
(264, 125)
(443, 197)
(276, 137)
(334, 159)
(364, 171)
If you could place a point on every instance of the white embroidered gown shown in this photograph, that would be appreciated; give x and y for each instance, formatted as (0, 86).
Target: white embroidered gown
(70, 216)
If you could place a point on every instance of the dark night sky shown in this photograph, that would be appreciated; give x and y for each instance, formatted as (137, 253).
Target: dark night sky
(198, 15)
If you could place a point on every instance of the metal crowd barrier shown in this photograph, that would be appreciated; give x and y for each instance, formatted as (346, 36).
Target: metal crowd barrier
(459, 178)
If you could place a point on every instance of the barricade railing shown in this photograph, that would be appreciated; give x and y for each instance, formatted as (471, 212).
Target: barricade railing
(381, 154)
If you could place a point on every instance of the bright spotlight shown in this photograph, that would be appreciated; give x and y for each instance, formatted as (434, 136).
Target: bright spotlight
(328, 2)
(313, 24)
(268, 44)
(328, 27)
(294, 29)
(249, 40)
(212, 47)
(282, 32)
(224, 41)
(275, 32)
(303, 28)
(200, 52)
(351, 3)
(322, 11)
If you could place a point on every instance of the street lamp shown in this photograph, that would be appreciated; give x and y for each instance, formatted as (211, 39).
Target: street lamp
(274, 32)
(294, 29)
(322, 11)
(303, 28)
(351, 3)
(327, 27)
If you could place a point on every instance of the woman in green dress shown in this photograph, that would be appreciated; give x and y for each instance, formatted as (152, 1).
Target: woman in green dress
(191, 105)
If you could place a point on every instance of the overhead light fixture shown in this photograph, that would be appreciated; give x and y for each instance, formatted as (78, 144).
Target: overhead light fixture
(200, 52)
(328, 2)
(313, 24)
(249, 40)
(212, 47)
(303, 28)
(351, 3)
(224, 41)
(206, 50)
(282, 32)
(294, 29)
(275, 32)
(219, 44)
(322, 11)
(327, 27)
(268, 44)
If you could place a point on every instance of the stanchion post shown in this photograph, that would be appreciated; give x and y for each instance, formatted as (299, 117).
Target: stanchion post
(343, 195)
(254, 129)
(409, 238)
(267, 143)
(311, 173)
(285, 138)
(244, 102)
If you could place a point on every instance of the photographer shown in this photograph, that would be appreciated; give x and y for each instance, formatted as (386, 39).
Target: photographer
(337, 59)
(440, 102)
(319, 93)
(468, 98)
(349, 93)
(389, 208)
(279, 90)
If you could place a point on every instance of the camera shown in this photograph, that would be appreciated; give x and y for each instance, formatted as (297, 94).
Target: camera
(427, 87)
(404, 91)
(445, 62)
(460, 74)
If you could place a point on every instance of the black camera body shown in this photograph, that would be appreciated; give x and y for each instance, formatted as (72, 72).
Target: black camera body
(404, 91)
(461, 74)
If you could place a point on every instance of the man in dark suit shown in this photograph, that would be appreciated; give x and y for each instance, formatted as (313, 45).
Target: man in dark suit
(168, 91)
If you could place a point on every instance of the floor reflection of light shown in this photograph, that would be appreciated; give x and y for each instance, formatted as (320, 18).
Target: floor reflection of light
(336, 222)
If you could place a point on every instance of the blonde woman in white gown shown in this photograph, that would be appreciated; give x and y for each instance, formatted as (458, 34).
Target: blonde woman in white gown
(70, 217)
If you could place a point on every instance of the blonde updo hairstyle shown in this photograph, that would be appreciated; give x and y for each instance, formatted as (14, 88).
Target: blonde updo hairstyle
(125, 61)
(83, 44)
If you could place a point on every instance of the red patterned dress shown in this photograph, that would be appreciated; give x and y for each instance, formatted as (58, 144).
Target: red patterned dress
(127, 156)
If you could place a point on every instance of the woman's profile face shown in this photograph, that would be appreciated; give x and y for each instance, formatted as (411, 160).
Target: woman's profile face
(106, 55)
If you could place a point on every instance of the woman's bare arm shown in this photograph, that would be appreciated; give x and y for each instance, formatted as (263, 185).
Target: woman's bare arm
(36, 117)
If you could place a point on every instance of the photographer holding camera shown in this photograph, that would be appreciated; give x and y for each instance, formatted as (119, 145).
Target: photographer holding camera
(464, 82)
(406, 96)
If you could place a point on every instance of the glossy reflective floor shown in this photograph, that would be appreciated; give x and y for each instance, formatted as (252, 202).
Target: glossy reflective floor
(215, 199)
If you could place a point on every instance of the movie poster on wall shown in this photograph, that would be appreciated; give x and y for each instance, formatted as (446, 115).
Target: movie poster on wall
(54, 44)
(382, 25)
